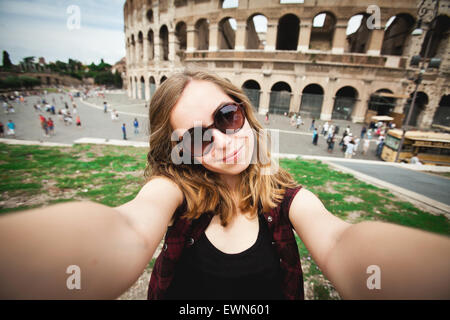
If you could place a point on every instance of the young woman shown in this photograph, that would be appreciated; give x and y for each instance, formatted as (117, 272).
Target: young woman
(227, 216)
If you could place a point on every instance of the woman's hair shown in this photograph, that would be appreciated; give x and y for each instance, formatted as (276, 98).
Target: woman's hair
(203, 189)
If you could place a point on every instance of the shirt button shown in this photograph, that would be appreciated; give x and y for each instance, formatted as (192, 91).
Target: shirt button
(190, 241)
(165, 247)
(273, 242)
(269, 218)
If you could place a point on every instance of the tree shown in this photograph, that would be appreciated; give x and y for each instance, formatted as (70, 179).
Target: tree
(7, 64)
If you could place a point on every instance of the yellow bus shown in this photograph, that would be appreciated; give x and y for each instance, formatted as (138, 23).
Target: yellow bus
(432, 148)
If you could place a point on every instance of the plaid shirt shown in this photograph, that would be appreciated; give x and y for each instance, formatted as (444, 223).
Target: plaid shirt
(184, 233)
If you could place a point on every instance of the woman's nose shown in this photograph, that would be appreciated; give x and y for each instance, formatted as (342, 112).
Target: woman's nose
(222, 142)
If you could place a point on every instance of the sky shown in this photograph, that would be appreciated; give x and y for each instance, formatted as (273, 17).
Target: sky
(84, 30)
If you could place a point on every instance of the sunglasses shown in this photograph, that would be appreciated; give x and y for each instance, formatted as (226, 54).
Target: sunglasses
(228, 118)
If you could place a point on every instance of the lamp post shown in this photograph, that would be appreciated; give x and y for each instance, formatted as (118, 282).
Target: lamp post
(418, 80)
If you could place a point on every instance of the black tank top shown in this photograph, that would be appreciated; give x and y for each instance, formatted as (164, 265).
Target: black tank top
(204, 272)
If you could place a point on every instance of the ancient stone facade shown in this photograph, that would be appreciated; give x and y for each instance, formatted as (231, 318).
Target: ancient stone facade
(326, 59)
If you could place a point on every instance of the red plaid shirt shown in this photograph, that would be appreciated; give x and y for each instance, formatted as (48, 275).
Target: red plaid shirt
(184, 233)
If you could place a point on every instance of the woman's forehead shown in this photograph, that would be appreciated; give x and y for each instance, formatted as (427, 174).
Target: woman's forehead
(197, 103)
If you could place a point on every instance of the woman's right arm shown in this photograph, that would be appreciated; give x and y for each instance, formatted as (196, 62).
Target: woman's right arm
(110, 246)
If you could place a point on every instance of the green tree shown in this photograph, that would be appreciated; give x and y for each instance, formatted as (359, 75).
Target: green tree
(7, 64)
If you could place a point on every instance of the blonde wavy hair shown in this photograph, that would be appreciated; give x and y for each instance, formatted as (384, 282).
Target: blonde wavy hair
(203, 189)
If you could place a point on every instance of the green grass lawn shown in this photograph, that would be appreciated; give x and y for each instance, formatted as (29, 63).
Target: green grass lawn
(33, 176)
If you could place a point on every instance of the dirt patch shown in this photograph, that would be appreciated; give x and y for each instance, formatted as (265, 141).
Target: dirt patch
(353, 199)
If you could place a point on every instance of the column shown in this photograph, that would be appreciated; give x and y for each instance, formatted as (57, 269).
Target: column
(375, 42)
(240, 36)
(156, 47)
(147, 88)
(213, 36)
(264, 101)
(360, 108)
(145, 48)
(190, 39)
(340, 38)
(173, 41)
(271, 36)
(328, 101)
(304, 37)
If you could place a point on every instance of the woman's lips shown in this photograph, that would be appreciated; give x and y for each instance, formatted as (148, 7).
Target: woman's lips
(232, 155)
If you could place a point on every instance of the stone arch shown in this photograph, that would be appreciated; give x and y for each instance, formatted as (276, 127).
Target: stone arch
(136, 89)
(382, 102)
(226, 33)
(201, 38)
(437, 38)
(149, 15)
(181, 35)
(252, 90)
(140, 54)
(152, 85)
(419, 106)
(255, 38)
(322, 32)
(312, 100)
(287, 32)
(150, 44)
(227, 4)
(358, 41)
(344, 102)
(163, 78)
(133, 49)
(442, 114)
(142, 81)
(397, 32)
(164, 43)
(280, 98)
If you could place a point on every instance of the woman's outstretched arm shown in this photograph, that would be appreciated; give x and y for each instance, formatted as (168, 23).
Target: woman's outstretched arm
(109, 247)
(372, 260)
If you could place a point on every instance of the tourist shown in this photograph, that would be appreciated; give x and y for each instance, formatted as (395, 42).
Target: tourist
(2, 130)
(51, 126)
(313, 122)
(366, 146)
(325, 128)
(136, 126)
(124, 132)
(105, 107)
(330, 141)
(78, 121)
(217, 210)
(11, 128)
(363, 132)
(315, 137)
(349, 149)
(299, 121)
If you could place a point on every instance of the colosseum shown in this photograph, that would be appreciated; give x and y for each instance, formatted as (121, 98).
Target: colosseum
(326, 59)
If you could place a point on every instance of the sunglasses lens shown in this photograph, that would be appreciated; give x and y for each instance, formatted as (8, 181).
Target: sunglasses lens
(198, 141)
(229, 118)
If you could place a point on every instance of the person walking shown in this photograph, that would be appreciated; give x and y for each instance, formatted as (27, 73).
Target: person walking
(136, 126)
(299, 121)
(266, 120)
(105, 107)
(313, 123)
(366, 146)
(349, 149)
(11, 128)
(315, 137)
(51, 126)
(325, 128)
(78, 121)
(2, 130)
(331, 140)
(124, 131)
(363, 132)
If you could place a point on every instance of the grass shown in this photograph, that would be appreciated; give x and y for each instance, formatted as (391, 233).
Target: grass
(33, 176)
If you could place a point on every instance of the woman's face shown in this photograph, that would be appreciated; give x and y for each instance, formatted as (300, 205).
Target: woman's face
(230, 154)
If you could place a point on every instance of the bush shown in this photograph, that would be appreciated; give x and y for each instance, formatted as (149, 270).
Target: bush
(12, 82)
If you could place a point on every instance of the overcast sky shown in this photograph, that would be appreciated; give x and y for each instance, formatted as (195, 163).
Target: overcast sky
(40, 29)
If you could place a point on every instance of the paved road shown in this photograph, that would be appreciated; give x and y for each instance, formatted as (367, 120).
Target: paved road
(429, 185)
(97, 124)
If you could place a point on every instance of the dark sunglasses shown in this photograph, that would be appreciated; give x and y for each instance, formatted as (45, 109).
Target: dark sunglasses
(228, 118)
